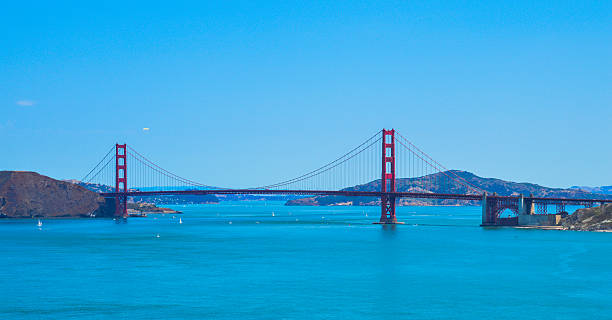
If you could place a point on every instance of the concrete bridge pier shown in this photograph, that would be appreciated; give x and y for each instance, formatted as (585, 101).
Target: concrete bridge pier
(493, 205)
(489, 210)
(525, 206)
(484, 208)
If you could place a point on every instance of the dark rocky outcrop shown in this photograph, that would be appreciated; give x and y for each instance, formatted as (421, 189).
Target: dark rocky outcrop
(590, 219)
(26, 194)
(143, 207)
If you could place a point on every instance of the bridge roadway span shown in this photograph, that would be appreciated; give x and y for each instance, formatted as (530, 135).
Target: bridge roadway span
(348, 193)
(493, 205)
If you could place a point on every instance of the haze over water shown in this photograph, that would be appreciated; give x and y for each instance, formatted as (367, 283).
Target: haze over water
(301, 263)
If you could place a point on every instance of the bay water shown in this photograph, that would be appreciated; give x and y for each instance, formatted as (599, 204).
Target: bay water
(264, 260)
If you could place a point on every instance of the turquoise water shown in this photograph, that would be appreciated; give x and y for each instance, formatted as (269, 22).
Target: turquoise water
(301, 263)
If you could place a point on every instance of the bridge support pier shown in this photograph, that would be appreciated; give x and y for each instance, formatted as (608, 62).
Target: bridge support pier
(387, 206)
(483, 204)
(525, 206)
(493, 205)
(489, 211)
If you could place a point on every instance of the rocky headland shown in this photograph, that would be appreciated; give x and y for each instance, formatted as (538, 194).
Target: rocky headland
(590, 219)
(148, 208)
(25, 194)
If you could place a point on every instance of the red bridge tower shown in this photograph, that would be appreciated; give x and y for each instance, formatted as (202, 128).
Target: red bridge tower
(387, 202)
(121, 180)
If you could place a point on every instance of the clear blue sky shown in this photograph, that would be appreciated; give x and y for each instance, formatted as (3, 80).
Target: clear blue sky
(249, 92)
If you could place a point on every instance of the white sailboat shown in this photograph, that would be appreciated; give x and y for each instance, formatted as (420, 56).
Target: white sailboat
(180, 220)
(39, 223)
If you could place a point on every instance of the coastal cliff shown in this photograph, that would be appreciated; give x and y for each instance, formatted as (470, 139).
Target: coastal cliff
(25, 194)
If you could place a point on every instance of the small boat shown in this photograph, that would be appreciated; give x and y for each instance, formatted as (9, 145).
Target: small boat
(273, 213)
(39, 224)
(180, 220)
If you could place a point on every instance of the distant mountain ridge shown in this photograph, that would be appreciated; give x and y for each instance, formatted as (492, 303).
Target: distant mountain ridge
(599, 190)
(508, 188)
(439, 185)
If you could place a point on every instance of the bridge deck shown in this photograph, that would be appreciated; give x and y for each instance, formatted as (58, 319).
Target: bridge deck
(419, 195)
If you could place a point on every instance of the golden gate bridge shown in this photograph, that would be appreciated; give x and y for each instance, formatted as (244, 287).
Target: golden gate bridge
(373, 169)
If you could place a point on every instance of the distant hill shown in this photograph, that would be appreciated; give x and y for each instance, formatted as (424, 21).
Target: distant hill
(98, 188)
(599, 190)
(440, 185)
(187, 199)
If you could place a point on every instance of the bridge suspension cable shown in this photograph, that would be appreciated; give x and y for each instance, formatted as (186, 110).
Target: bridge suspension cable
(432, 171)
(387, 167)
(144, 165)
(143, 174)
(340, 172)
(358, 169)
(93, 173)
